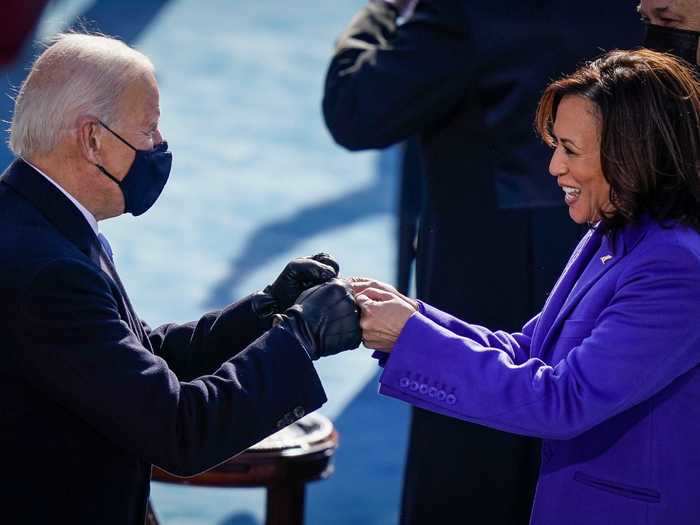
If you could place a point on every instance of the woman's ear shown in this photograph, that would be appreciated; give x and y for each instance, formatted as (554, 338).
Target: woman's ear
(90, 139)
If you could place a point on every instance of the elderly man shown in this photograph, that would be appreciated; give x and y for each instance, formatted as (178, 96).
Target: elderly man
(91, 396)
(673, 26)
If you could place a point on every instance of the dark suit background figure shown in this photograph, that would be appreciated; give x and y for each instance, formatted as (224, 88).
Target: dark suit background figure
(466, 77)
(410, 203)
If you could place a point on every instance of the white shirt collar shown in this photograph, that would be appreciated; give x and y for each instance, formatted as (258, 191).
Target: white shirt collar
(89, 217)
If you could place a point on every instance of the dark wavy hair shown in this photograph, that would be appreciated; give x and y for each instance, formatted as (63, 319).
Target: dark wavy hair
(649, 108)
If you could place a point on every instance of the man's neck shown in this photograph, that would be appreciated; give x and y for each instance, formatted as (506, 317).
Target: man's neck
(63, 172)
(87, 214)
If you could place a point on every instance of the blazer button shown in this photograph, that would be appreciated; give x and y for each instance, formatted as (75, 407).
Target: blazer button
(414, 385)
(404, 382)
(441, 395)
(451, 399)
(432, 391)
(299, 412)
(423, 389)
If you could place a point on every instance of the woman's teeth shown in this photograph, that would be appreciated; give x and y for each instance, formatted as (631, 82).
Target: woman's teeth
(571, 194)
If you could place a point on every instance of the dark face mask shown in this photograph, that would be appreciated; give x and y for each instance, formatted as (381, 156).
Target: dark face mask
(680, 42)
(146, 177)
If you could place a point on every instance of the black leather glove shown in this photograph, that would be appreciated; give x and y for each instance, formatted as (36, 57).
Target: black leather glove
(299, 275)
(325, 319)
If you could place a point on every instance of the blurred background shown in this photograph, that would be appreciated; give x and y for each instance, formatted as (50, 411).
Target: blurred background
(256, 181)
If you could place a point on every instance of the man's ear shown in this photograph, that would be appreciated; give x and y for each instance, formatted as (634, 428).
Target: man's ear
(90, 139)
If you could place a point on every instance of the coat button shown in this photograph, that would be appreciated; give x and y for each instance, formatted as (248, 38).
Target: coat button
(451, 399)
(404, 382)
(441, 395)
(423, 389)
(432, 391)
(299, 412)
(414, 385)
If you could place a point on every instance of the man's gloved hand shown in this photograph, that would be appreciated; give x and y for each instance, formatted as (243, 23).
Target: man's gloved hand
(299, 275)
(325, 319)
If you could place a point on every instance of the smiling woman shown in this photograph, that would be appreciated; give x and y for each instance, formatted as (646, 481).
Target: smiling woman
(604, 373)
(576, 159)
(615, 160)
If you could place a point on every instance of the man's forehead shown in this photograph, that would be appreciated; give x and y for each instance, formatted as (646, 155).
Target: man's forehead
(141, 100)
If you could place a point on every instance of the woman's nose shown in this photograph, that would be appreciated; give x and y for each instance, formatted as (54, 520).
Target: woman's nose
(557, 166)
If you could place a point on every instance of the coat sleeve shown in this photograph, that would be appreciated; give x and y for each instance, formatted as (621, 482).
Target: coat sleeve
(200, 347)
(388, 82)
(643, 339)
(516, 345)
(83, 356)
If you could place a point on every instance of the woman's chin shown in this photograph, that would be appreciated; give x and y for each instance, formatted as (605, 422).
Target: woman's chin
(582, 216)
(576, 216)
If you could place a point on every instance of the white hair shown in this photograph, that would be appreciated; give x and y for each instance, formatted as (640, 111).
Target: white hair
(77, 75)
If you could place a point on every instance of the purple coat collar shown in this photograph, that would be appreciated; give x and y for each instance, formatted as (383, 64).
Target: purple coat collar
(595, 255)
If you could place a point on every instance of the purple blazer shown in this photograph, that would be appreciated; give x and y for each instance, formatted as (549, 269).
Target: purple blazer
(607, 374)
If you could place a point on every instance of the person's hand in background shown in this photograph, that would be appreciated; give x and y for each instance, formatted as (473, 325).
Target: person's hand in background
(404, 7)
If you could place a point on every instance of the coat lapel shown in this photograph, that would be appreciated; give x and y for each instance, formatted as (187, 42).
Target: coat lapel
(612, 249)
(576, 264)
(68, 220)
(132, 319)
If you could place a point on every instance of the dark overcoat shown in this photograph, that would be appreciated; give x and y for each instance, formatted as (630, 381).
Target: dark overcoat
(91, 397)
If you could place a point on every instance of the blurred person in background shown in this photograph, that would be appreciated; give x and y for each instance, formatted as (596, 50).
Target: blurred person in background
(608, 373)
(673, 26)
(17, 20)
(465, 77)
(91, 396)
